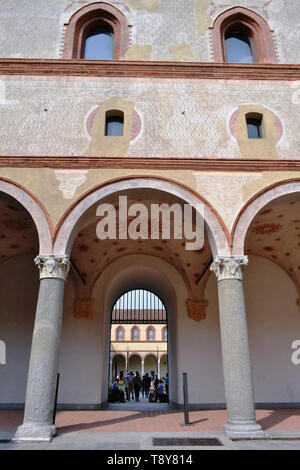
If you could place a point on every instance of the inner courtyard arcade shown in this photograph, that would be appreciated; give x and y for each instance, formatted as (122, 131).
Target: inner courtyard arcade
(265, 226)
(119, 107)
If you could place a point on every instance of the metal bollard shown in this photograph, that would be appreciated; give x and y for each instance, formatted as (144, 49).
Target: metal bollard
(55, 402)
(185, 400)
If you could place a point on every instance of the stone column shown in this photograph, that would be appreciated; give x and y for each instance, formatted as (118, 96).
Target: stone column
(111, 369)
(143, 366)
(41, 384)
(241, 422)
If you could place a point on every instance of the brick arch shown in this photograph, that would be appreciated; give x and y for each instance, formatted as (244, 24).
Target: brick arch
(68, 226)
(261, 34)
(90, 16)
(254, 205)
(36, 210)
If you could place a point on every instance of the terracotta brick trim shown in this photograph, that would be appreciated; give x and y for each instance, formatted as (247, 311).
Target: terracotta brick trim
(257, 202)
(88, 17)
(141, 69)
(163, 163)
(244, 19)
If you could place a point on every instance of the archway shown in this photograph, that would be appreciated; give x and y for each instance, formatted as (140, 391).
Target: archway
(137, 320)
(104, 269)
(24, 229)
(269, 230)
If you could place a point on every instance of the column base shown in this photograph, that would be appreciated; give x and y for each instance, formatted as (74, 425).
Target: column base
(243, 430)
(35, 432)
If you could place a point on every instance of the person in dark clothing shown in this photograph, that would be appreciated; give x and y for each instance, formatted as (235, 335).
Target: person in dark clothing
(156, 382)
(147, 383)
(137, 384)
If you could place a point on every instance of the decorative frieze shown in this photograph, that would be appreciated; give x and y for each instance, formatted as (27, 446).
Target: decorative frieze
(52, 266)
(229, 267)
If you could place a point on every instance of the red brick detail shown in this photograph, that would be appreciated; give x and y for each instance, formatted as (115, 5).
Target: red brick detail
(245, 19)
(141, 69)
(81, 162)
(88, 17)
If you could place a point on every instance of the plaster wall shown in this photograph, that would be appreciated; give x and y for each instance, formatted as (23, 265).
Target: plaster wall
(18, 293)
(160, 29)
(174, 117)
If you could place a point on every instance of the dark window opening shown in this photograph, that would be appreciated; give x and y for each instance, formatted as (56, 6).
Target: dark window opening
(254, 127)
(238, 47)
(98, 44)
(114, 124)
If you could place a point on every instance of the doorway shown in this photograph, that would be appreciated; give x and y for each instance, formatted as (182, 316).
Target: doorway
(139, 346)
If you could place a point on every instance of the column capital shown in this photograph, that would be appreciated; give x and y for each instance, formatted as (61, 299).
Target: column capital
(52, 266)
(229, 267)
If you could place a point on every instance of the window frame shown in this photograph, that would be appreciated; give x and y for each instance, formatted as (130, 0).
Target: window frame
(263, 44)
(90, 16)
(120, 328)
(138, 333)
(247, 31)
(259, 118)
(114, 113)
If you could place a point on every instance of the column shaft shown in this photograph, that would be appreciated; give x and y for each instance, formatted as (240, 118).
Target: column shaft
(43, 367)
(237, 370)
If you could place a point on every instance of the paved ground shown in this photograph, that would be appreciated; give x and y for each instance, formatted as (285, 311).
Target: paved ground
(133, 426)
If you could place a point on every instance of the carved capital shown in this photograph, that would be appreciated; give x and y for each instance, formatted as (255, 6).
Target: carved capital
(196, 309)
(52, 266)
(229, 267)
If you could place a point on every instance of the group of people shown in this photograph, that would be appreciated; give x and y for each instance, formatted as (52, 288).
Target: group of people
(135, 385)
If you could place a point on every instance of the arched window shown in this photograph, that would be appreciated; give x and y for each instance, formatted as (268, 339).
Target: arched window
(134, 334)
(114, 124)
(120, 334)
(97, 31)
(165, 334)
(242, 36)
(150, 334)
(238, 46)
(98, 44)
(254, 126)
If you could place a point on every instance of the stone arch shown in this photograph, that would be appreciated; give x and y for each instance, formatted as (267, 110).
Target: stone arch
(67, 228)
(254, 205)
(151, 273)
(36, 210)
